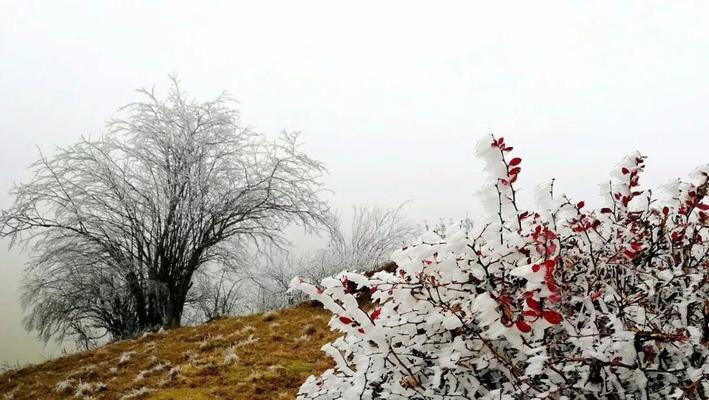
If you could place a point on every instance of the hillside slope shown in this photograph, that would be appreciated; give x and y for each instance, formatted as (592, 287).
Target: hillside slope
(263, 356)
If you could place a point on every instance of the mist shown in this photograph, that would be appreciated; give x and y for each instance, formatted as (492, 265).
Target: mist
(390, 97)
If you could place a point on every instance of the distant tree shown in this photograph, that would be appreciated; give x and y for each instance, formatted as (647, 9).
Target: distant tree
(375, 232)
(373, 235)
(119, 225)
(270, 276)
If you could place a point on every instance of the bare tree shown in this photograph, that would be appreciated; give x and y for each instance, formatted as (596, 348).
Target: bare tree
(118, 225)
(271, 281)
(373, 235)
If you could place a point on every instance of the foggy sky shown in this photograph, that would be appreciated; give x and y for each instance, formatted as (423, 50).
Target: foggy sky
(391, 97)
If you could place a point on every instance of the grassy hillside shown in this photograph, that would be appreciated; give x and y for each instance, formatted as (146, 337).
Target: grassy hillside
(263, 356)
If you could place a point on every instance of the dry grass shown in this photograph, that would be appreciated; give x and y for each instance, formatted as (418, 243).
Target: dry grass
(272, 356)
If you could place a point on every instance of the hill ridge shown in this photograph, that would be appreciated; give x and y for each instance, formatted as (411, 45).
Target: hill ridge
(260, 356)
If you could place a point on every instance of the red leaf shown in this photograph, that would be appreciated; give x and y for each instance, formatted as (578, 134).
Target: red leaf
(500, 141)
(550, 263)
(515, 171)
(536, 267)
(372, 289)
(504, 299)
(555, 298)
(665, 210)
(552, 317)
(523, 326)
(551, 249)
(534, 305)
(624, 171)
(629, 253)
(345, 320)
(549, 274)
(580, 204)
(515, 161)
(360, 330)
(552, 286)
(703, 207)
(606, 210)
(376, 313)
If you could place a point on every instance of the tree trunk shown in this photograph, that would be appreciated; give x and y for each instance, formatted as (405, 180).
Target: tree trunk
(174, 297)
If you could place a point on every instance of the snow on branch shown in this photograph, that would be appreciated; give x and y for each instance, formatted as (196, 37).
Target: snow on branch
(567, 302)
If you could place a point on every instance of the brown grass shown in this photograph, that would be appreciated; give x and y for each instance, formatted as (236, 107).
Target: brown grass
(274, 355)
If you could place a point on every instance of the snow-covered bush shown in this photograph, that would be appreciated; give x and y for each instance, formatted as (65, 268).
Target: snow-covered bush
(564, 302)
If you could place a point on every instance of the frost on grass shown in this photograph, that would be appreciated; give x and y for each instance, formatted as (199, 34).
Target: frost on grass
(141, 375)
(125, 358)
(302, 339)
(170, 376)
(65, 386)
(188, 355)
(173, 373)
(81, 390)
(230, 357)
(136, 394)
(567, 302)
(213, 342)
(248, 341)
(243, 331)
(157, 367)
(10, 395)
